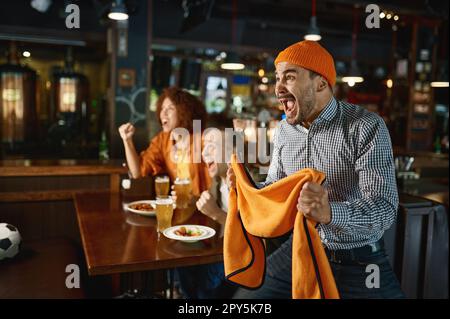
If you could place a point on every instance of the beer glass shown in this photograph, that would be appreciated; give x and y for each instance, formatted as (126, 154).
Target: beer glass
(164, 213)
(162, 186)
(183, 191)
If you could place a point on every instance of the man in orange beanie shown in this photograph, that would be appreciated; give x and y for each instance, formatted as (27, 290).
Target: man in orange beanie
(359, 198)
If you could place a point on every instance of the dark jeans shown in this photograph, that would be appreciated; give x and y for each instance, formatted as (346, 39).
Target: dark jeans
(204, 282)
(350, 277)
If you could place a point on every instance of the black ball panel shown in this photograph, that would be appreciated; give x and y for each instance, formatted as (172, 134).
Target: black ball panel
(11, 227)
(5, 243)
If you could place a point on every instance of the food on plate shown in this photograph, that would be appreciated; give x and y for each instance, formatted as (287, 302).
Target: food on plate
(188, 232)
(141, 207)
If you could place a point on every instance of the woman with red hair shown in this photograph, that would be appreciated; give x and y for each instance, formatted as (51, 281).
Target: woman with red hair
(175, 108)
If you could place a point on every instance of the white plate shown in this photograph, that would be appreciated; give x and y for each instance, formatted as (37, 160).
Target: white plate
(140, 212)
(207, 232)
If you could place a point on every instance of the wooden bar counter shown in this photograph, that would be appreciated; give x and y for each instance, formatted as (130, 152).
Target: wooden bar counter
(37, 180)
(37, 195)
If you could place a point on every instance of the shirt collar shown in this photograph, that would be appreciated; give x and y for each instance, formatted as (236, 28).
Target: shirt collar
(327, 114)
(328, 111)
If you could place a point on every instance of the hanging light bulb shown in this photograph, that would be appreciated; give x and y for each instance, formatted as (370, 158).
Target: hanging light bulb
(313, 31)
(439, 84)
(441, 77)
(232, 62)
(41, 5)
(118, 11)
(354, 75)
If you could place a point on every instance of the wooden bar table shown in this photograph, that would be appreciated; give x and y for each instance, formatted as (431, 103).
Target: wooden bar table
(116, 241)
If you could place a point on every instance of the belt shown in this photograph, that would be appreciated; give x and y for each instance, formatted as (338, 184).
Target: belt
(342, 255)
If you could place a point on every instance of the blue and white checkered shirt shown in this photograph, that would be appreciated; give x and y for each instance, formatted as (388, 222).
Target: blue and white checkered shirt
(352, 147)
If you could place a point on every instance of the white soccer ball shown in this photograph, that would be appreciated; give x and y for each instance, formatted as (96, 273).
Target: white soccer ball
(9, 241)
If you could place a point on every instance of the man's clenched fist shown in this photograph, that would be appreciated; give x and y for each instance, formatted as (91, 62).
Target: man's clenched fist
(313, 203)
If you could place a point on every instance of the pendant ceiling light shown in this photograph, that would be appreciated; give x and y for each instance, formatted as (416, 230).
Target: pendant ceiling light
(118, 11)
(441, 78)
(354, 75)
(232, 61)
(41, 5)
(439, 84)
(313, 31)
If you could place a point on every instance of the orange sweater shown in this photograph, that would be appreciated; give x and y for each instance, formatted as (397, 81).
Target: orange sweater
(254, 214)
(156, 159)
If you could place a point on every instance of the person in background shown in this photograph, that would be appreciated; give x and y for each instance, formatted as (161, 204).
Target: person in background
(174, 108)
(208, 281)
(214, 202)
(359, 198)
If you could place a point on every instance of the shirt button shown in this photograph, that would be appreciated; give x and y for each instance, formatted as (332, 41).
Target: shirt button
(325, 241)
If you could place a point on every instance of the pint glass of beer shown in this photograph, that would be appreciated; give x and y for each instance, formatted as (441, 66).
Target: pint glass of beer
(162, 186)
(183, 191)
(164, 213)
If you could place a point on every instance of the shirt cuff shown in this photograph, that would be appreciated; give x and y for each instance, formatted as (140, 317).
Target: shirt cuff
(339, 215)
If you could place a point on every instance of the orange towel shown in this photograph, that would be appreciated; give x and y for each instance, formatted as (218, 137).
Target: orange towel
(254, 214)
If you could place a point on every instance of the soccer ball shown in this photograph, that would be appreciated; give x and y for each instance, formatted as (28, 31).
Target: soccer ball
(9, 241)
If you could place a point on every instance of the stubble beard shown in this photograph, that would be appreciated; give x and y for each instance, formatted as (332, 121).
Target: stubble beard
(307, 105)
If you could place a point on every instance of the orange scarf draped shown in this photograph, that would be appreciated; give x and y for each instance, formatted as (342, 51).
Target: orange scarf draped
(270, 212)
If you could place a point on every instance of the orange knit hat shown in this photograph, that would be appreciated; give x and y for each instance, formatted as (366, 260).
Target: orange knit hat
(312, 56)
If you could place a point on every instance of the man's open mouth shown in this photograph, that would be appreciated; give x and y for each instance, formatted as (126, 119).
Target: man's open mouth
(288, 104)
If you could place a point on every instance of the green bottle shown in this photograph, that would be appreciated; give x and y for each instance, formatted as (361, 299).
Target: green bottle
(437, 145)
(103, 152)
